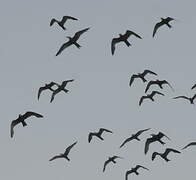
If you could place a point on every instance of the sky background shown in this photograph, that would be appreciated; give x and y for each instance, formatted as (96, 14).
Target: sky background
(100, 96)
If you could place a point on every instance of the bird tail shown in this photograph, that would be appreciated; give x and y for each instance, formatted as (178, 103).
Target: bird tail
(24, 123)
(77, 45)
(127, 43)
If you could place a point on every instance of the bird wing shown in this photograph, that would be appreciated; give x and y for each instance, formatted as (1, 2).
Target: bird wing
(40, 90)
(65, 18)
(160, 134)
(168, 150)
(157, 26)
(157, 92)
(194, 86)
(194, 97)
(128, 33)
(69, 148)
(141, 131)
(89, 137)
(52, 21)
(79, 33)
(147, 144)
(127, 173)
(101, 130)
(126, 141)
(30, 113)
(148, 72)
(13, 124)
(132, 79)
(169, 19)
(190, 144)
(65, 45)
(166, 82)
(141, 100)
(55, 157)
(105, 164)
(113, 43)
(184, 97)
(139, 166)
(148, 85)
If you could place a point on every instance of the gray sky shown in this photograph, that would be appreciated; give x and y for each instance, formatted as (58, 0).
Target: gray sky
(100, 95)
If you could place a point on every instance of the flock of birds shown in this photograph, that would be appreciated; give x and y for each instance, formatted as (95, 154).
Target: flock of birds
(56, 88)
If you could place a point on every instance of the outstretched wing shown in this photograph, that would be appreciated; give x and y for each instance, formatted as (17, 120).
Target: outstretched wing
(79, 33)
(194, 86)
(126, 141)
(127, 173)
(166, 82)
(65, 18)
(113, 43)
(65, 45)
(168, 150)
(149, 72)
(190, 144)
(141, 131)
(132, 79)
(69, 148)
(30, 113)
(148, 85)
(105, 164)
(157, 92)
(182, 97)
(157, 26)
(13, 124)
(101, 130)
(139, 166)
(56, 157)
(52, 21)
(141, 100)
(147, 144)
(160, 135)
(128, 33)
(40, 90)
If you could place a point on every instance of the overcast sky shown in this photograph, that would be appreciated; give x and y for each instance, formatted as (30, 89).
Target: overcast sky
(100, 96)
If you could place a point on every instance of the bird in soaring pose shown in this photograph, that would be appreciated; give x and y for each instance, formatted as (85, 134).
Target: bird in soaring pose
(154, 138)
(123, 38)
(190, 144)
(110, 159)
(65, 154)
(159, 83)
(72, 40)
(62, 22)
(134, 136)
(134, 170)
(141, 76)
(164, 155)
(98, 134)
(61, 88)
(21, 119)
(161, 23)
(149, 96)
(191, 99)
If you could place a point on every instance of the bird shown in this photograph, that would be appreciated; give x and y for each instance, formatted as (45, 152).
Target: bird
(141, 76)
(154, 138)
(65, 154)
(190, 144)
(159, 83)
(161, 23)
(62, 22)
(110, 159)
(150, 96)
(21, 119)
(61, 88)
(98, 134)
(123, 38)
(194, 86)
(164, 155)
(191, 99)
(134, 170)
(134, 136)
(47, 86)
(72, 40)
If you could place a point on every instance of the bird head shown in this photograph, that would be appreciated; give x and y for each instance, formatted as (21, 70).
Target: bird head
(68, 37)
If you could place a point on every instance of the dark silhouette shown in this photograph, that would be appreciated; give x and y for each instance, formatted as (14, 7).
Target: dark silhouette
(65, 154)
(134, 136)
(191, 99)
(98, 134)
(164, 155)
(72, 40)
(141, 76)
(21, 119)
(123, 38)
(47, 86)
(159, 24)
(190, 144)
(149, 96)
(154, 138)
(134, 170)
(194, 86)
(159, 83)
(62, 22)
(61, 88)
(110, 159)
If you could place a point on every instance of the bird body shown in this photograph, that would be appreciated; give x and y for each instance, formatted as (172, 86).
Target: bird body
(110, 159)
(191, 99)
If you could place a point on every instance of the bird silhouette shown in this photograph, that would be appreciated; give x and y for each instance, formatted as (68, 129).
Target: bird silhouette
(21, 119)
(65, 154)
(110, 159)
(194, 86)
(191, 99)
(154, 138)
(134, 136)
(134, 170)
(141, 76)
(164, 155)
(98, 134)
(47, 86)
(61, 88)
(149, 96)
(123, 38)
(190, 144)
(161, 23)
(159, 83)
(72, 40)
(62, 22)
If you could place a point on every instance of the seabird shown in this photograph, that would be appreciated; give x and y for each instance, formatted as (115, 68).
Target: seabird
(110, 159)
(191, 99)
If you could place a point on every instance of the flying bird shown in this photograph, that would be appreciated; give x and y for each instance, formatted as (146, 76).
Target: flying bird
(141, 76)
(159, 83)
(164, 155)
(123, 38)
(61, 88)
(154, 138)
(21, 119)
(191, 99)
(110, 159)
(190, 144)
(194, 86)
(150, 96)
(134, 170)
(62, 22)
(161, 23)
(47, 86)
(72, 40)
(134, 136)
(65, 154)
(98, 134)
